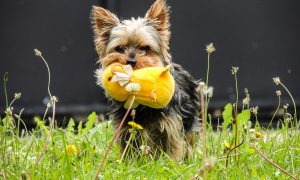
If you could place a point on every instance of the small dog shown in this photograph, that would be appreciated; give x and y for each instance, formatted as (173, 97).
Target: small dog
(144, 42)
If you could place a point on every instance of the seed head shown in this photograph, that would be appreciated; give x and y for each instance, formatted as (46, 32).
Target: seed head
(18, 95)
(276, 80)
(254, 110)
(133, 87)
(145, 149)
(210, 48)
(278, 93)
(9, 111)
(54, 99)
(246, 101)
(234, 70)
(37, 52)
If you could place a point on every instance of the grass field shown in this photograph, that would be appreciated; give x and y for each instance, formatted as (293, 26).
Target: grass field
(77, 156)
(238, 148)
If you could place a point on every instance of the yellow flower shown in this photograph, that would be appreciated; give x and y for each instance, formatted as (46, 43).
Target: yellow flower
(71, 150)
(259, 134)
(227, 145)
(135, 125)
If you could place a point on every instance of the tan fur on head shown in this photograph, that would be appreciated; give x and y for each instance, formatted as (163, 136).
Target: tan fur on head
(103, 22)
(145, 39)
(159, 12)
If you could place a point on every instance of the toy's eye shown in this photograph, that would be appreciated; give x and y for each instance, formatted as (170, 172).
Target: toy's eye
(120, 49)
(109, 78)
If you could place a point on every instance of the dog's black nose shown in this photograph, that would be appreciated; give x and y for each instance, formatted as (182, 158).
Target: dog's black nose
(131, 61)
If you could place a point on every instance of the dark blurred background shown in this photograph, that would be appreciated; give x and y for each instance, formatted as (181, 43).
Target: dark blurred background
(261, 37)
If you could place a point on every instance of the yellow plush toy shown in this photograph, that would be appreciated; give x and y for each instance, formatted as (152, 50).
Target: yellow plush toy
(152, 86)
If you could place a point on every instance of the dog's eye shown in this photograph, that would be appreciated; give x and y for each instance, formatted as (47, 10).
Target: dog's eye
(145, 48)
(120, 49)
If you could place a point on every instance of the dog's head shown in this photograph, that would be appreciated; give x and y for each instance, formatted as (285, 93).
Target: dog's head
(141, 42)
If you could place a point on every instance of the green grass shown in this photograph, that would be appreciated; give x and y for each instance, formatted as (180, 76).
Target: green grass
(75, 152)
(19, 155)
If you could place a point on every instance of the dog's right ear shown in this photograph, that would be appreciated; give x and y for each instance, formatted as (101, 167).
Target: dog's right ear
(103, 22)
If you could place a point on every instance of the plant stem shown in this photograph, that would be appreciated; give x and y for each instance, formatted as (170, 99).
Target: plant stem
(127, 145)
(207, 71)
(235, 114)
(294, 104)
(116, 134)
(279, 100)
(236, 131)
(45, 144)
(49, 75)
(203, 126)
(272, 163)
(5, 79)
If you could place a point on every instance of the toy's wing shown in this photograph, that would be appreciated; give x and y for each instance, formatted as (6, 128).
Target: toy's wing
(122, 78)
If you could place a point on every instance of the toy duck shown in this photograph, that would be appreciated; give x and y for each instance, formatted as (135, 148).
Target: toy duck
(152, 86)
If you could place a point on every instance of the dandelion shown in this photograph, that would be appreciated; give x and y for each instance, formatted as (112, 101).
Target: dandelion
(246, 101)
(227, 145)
(234, 70)
(135, 125)
(276, 80)
(18, 95)
(37, 52)
(201, 87)
(278, 93)
(145, 149)
(259, 135)
(254, 110)
(209, 91)
(71, 150)
(133, 87)
(210, 48)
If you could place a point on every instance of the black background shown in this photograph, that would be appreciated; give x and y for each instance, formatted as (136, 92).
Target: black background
(261, 37)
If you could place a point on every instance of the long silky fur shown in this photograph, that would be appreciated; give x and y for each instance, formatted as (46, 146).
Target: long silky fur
(165, 128)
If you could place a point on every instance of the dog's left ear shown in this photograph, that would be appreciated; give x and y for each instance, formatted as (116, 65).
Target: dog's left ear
(159, 13)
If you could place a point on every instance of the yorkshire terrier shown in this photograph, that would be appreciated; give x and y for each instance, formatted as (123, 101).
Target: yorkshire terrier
(144, 42)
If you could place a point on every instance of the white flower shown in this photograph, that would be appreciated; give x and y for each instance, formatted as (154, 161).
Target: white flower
(246, 101)
(37, 52)
(123, 78)
(276, 80)
(54, 99)
(286, 106)
(278, 93)
(18, 95)
(209, 91)
(251, 130)
(133, 87)
(145, 149)
(234, 70)
(210, 48)
(254, 110)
